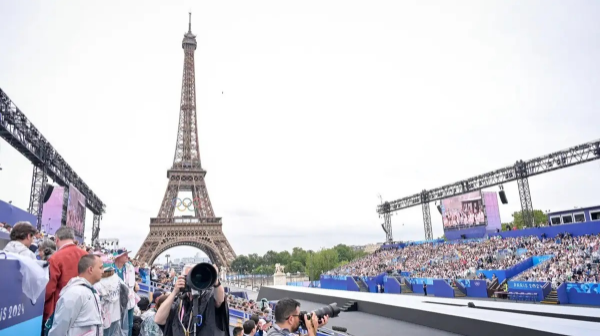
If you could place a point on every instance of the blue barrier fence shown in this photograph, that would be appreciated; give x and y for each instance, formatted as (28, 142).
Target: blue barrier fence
(308, 284)
(18, 315)
(473, 288)
(441, 288)
(512, 271)
(391, 284)
(583, 294)
(10, 214)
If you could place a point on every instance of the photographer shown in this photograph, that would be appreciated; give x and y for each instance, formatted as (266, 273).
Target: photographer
(175, 317)
(287, 319)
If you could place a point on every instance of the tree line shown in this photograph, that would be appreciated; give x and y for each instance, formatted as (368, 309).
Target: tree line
(312, 263)
(539, 217)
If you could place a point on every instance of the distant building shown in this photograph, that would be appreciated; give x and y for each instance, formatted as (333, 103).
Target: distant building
(109, 243)
(576, 215)
(369, 248)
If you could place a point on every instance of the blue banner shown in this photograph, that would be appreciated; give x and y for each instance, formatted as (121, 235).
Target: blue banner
(581, 293)
(334, 277)
(525, 285)
(18, 315)
(588, 288)
(420, 281)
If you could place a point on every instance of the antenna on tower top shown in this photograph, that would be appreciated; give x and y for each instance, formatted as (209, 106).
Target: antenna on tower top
(190, 24)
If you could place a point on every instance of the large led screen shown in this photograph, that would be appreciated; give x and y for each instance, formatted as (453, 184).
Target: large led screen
(52, 210)
(463, 211)
(76, 212)
(492, 211)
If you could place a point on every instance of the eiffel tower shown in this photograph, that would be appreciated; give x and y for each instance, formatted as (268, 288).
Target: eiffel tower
(202, 230)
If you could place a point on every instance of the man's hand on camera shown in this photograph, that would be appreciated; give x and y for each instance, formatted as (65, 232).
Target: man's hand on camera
(313, 324)
(179, 285)
(323, 321)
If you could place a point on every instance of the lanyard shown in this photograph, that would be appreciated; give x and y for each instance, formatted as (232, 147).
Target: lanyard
(97, 306)
(186, 331)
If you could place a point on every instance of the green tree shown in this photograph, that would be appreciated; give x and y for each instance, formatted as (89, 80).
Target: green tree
(298, 254)
(284, 257)
(264, 269)
(270, 258)
(539, 217)
(294, 267)
(254, 260)
(345, 253)
(319, 262)
(313, 263)
(240, 264)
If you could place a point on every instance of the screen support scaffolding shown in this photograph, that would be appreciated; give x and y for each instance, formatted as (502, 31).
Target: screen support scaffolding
(519, 172)
(426, 216)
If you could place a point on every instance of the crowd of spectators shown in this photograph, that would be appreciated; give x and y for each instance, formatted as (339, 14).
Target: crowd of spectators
(576, 259)
(260, 313)
(70, 264)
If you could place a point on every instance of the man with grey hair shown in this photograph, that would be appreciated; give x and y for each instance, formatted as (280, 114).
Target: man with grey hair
(63, 267)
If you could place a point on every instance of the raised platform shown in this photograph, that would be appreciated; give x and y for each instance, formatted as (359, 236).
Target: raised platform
(488, 318)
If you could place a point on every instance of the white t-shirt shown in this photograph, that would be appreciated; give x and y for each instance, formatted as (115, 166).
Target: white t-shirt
(109, 292)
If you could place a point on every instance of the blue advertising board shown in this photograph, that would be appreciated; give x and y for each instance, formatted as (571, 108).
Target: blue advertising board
(583, 293)
(18, 315)
(540, 288)
(10, 214)
(474, 288)
(525, 285)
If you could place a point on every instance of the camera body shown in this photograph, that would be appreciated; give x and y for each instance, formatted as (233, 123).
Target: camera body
(200, 277)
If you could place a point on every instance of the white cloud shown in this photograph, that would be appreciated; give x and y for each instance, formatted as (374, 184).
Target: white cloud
(324, 106)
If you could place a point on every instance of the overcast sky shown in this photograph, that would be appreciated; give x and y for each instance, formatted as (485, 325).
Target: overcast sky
(306, 110)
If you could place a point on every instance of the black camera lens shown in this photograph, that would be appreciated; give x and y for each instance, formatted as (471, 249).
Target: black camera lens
(201, 277)
(331, 310)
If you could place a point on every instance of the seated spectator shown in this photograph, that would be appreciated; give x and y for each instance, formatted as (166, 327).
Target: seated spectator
(149, 327)
(249, 328)
(577, 258)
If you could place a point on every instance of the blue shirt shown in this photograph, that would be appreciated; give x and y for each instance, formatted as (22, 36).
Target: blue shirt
(120, 272)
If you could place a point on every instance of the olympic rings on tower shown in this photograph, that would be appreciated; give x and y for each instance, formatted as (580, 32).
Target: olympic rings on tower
(186, 204)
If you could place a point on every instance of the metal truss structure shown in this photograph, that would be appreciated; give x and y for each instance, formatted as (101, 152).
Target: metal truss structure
(202, 230)
(387, 222)
(20, 133)
(520, 172)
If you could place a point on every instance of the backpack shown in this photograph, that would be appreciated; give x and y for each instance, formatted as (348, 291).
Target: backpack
(137, 326)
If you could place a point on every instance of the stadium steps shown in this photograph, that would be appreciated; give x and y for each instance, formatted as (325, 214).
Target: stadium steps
(349, 306)
(493, 287)
(551, 298)
(362, 286)
(405, 287)
(458, 292)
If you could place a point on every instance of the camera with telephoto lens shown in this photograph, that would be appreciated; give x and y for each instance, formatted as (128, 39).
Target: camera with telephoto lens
(200, 277)
(331, 310)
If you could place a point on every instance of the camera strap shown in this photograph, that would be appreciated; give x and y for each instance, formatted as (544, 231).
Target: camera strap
(195, 317)
(186, 331)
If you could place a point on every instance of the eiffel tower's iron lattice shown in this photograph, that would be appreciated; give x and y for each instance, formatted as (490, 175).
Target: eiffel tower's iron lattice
(202, 230)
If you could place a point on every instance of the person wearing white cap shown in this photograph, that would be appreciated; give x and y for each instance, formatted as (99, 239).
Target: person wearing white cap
(114, 296)
(126, 272)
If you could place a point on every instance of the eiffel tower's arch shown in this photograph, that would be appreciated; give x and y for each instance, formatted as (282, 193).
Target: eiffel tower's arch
(204, 246)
